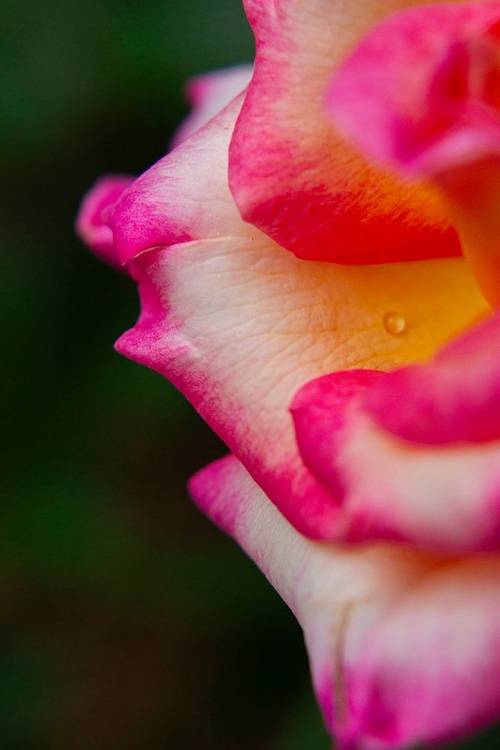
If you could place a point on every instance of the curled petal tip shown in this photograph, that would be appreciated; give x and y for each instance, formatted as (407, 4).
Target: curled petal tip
(184, 196)
(218, 490)
(93, 222)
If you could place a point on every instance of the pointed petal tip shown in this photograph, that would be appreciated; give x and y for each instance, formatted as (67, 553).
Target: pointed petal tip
(93, 222)
(217, 491)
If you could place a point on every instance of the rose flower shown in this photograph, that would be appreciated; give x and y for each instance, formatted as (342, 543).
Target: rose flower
(317, 266)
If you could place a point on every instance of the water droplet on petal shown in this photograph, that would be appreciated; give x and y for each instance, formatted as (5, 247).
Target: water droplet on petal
(394, 323)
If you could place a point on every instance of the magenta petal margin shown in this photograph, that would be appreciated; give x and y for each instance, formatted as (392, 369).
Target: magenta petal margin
(403, 646)
(291, 174)
(208, 94)
(94, 216)
(431, 92)
(442, 497)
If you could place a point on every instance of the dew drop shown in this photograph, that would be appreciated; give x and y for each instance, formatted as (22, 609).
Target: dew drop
(394, 323)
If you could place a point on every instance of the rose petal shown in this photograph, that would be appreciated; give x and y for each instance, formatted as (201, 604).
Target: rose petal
(445, 497)
(238, 324)
(184, 196)
(455, 398)
(208, 94)
(291, 174)
(92, 222)
(430, 79)
(403, 646)
(411, 77)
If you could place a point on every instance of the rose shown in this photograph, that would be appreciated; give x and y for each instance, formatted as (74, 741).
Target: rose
(243, 327)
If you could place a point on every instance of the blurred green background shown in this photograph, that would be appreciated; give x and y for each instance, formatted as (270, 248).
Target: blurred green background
(127, 621)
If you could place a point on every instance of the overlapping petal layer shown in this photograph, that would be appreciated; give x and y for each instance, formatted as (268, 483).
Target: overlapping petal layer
(239, 324)
(430, 77)
(292, 176)
(417, 450)
(388, 629)
(208, 94)
(453, 399)
(427, 77)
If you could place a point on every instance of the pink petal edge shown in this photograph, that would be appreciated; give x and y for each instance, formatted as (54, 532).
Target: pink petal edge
(412, 455)
(290, 173)
(453, 399)
(411, 77)
(404, 647)
(93, 219)
(208, 94)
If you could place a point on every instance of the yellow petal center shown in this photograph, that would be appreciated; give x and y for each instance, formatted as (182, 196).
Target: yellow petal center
(473, 193)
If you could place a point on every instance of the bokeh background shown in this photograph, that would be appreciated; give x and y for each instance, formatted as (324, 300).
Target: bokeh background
(127, 622)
